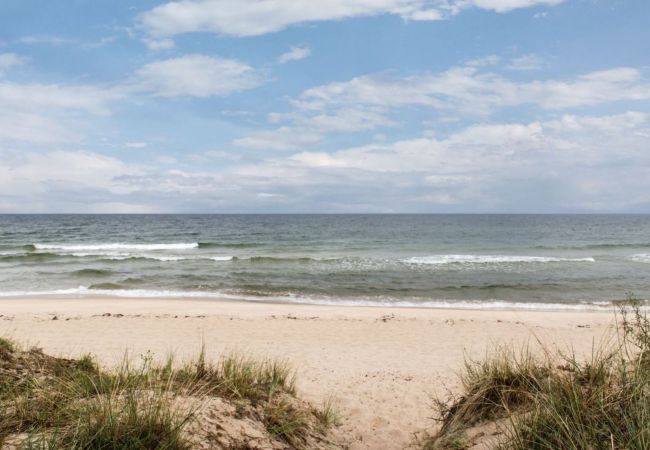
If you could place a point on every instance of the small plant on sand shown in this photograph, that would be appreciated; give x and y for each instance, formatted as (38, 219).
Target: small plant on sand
(284, 419)
(327, 415)
(634, 327)
(451, 440)
(7, 347)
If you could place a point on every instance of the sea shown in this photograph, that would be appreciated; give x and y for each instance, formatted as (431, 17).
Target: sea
(546, 262)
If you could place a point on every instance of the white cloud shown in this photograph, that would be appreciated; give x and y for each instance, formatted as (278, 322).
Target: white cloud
(489, 60)
(279, 139)
(374, 101)
(37, 97)
(309, 129)
(295, 54)
(48, 113)
(60, 181)
(159, 44)
(257, 17)
(346, 119)
(571, 162)
(469, 90)
(530, 61)
(582, 162)
(53, 113)
(502, 6)
(214, 155)
(34, 128)
(43, 39)
(166, 160)
(614, 123)
(196, 76)
(100, 42)
(494, 149)
(136, 144)
(9, 61)
(426, 15)
(269, 195)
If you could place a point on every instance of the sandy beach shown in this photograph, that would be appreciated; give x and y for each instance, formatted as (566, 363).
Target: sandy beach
(381, 365)
(325, 225)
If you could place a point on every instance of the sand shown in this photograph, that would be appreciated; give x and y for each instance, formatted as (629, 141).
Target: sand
(381, 365)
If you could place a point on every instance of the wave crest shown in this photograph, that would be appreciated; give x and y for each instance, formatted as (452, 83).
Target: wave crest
(488, 259)
(641, 257)
(115, 246)
(229, 244)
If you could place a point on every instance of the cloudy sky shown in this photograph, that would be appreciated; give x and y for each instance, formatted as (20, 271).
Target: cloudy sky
(325, 106)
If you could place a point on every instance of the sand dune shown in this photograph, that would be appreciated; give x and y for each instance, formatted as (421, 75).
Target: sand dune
(380, 364)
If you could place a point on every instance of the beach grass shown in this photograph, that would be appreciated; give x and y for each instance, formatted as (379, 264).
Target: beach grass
(7, 346)
(327, 414)
(525, 400)
(239, 377)
(52, 403)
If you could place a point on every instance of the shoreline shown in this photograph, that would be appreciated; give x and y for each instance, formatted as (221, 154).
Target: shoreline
(603, 306)
(381, 365)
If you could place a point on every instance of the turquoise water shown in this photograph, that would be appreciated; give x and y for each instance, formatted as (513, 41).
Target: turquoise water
(482, 261)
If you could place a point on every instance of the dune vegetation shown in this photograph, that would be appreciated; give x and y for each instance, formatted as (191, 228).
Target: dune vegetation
(533, 397)
(240, 402)
(547, 399)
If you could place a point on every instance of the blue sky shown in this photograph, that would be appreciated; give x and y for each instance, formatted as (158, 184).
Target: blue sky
(325, 106)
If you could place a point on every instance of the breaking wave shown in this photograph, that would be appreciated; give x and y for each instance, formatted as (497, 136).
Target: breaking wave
(229, 244)
(488, 259)
(115, 290)
(641, 257)
(115, 246)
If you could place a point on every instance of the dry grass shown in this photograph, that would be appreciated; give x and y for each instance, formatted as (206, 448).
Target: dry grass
(557, 401)
(327, 414)
(53, 403)
(286, 420)
(239, 377)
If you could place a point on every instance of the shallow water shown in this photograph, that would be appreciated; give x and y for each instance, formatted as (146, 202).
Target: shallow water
(484, 261)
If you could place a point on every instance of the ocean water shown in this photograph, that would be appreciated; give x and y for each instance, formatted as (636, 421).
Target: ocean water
(473, 261)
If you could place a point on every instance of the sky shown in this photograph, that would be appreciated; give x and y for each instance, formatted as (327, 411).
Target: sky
(325, 106)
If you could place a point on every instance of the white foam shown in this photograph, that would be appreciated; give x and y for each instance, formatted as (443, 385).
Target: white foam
(184, 258)
(464, 304)
(115, 256)
(123, 256)
(488, 259)
(115, 246)
(641, 257)
(162, 258)
(221, 258)
(156, 257)
(369, 302)
(136, 293)
(71, 291)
